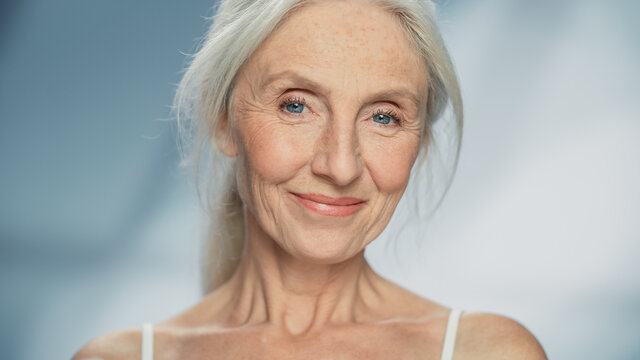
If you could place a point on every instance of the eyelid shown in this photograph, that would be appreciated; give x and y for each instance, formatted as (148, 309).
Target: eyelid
(294, 100)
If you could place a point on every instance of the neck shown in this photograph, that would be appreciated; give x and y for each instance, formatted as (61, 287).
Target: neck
(271, 286)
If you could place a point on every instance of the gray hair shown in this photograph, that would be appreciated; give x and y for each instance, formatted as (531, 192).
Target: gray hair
(204, 95)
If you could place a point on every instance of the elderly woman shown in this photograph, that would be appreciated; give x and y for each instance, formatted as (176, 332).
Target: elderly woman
(322, 108)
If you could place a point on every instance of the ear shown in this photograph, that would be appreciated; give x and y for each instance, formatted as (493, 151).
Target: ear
(224, 137)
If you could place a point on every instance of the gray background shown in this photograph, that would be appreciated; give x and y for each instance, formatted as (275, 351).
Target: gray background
(99, 228)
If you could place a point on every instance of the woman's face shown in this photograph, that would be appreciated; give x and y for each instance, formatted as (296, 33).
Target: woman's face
(326, 117)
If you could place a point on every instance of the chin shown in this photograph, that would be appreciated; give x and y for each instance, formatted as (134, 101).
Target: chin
(324, 247)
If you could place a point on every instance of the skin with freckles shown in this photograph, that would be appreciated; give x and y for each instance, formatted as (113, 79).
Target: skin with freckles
(325, 122)
(333, 146)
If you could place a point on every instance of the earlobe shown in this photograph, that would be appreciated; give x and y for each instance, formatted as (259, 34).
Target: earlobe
(225, 139)
(227, 145)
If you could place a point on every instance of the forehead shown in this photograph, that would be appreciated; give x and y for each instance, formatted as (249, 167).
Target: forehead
(347, 46)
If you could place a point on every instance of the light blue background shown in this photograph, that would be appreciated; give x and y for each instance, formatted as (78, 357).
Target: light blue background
(99, 228)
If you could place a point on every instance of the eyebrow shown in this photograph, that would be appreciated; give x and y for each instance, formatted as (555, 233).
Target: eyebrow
(294, 77)
(306, 83)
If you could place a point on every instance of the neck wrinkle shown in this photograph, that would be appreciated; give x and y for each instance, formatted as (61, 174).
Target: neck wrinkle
(270, 287)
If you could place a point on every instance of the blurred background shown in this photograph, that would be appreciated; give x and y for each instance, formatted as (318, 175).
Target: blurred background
(99, 227)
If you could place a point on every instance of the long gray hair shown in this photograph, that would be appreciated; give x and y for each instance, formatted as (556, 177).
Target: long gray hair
(203, 96)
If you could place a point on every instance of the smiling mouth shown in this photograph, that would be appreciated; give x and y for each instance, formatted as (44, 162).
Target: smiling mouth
(328, 206)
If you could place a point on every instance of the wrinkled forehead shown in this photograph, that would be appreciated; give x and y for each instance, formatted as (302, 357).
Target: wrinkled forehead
(350, 48)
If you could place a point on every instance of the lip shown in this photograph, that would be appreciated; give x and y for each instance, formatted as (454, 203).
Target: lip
(329, 206)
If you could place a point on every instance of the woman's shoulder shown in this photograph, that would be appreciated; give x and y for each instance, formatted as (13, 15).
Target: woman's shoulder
(479, 335)
(121, 344)
(491, 336)
(127, 344)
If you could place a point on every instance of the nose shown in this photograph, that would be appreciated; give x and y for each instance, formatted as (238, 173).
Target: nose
(337, 157)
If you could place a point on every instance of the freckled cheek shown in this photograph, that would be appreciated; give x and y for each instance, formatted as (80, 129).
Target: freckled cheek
(389, 163)
(275, 153)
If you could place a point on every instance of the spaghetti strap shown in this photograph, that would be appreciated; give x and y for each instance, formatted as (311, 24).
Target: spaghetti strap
(147, 342)
(450, 335)
(447, 347)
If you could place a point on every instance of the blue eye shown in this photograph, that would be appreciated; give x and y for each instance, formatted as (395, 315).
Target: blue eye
(295, 108)
(382, 119)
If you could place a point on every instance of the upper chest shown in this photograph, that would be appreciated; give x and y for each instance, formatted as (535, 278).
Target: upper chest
(395, 341)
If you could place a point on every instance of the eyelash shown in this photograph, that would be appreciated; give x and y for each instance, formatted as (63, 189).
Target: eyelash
(390, 113)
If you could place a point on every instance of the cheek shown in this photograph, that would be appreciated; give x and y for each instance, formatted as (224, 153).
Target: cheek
(274, 152)
(390, 160)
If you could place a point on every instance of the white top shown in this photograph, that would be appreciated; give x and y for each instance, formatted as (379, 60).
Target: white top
(147, 342)
(450, 335)
(447, 346)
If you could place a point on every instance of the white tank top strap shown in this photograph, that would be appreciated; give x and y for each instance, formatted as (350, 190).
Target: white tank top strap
(147, 341)
(447, 347)
(450, 335)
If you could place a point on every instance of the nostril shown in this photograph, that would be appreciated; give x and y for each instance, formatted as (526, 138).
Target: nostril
(344, 166)
(337, 158)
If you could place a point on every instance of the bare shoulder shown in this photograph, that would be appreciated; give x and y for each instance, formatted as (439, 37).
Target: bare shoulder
(491, 336)
(122, 344)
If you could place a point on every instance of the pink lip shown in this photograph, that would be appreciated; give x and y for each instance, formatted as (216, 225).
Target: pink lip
(330, 206)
